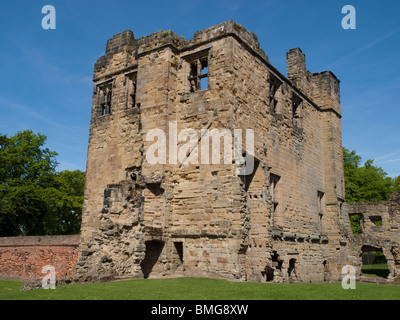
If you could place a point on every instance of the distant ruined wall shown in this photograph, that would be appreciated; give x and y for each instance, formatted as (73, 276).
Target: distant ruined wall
(383, 236)
(24, 257)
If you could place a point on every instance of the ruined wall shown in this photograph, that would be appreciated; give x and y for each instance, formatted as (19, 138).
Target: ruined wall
(296, 138)
(113, 156)
(206, 208)
(185, 207)
(379, 222)
(24, 257)
(145, 219)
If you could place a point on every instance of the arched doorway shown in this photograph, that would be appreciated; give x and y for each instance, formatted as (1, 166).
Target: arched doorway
(292, 269)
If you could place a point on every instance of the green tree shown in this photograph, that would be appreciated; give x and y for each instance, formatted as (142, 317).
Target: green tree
(70, 185)
(365, 183)
(355, 223)
(396, 184)
(34, 198)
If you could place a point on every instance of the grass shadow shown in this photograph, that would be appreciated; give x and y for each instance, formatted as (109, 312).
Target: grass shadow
(376, 270)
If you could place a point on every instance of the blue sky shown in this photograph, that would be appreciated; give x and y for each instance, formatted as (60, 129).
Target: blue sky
(45, 82)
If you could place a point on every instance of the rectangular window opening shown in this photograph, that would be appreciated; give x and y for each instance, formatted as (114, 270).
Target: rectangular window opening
(297, 105)
(321, 204)
(104, 98)
(356, 223)
(155, 188)
(275, 195)
(321, 209)
(275, 207)
(131, 81)
(198, 74)
(179, 250)
(274, 85)
(204, 83)
(273, 104)
(376, 220)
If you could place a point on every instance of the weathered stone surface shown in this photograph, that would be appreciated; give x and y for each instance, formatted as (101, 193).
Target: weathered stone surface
(383, 236)
(283, 222)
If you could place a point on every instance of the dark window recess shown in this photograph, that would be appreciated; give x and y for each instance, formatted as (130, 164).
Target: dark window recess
(275, 206)
(131, 81)
(198, 76)
(321, 210)
(292, 266)
(248, 178)
(321, 203)
(274, 85)
(269, 271)
(268, 274)
(104, 96)
(155, 188)
(376, 220)
(274, 181)
(107, 102)
(179, 250)
(277, 261)
(273, 103)
(297, 105)
(320, 223)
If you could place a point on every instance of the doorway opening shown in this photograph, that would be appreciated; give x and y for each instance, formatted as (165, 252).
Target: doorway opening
(374, 262)
(153, 253)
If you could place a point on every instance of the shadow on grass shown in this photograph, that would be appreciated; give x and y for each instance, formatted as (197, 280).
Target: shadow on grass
(376, 270)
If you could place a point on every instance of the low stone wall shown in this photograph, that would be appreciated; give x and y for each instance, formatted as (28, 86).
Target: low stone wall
(24, 257)
(383, 236)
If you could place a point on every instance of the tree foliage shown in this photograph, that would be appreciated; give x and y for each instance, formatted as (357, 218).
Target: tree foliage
(355, 223)
(35, 199)
(366, 183)
(396, 184)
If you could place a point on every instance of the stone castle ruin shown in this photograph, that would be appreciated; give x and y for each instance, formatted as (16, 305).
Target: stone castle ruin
(285, 221)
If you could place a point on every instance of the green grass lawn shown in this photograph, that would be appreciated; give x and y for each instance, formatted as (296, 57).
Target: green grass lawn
(199, 289)
(375, 270)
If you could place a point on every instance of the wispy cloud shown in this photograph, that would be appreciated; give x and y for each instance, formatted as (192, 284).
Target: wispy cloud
(348, 58)
(389, 155)
(30, 110)
(68, 140)
(230, 6)
(46, 67)
(390, 161)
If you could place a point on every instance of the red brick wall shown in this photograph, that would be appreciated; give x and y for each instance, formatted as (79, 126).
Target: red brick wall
(24, 257)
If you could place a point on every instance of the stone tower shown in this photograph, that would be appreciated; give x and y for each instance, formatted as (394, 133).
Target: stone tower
(184, 215)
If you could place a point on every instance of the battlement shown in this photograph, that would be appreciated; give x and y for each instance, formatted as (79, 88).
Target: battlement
(322, 87)
(326, 91)
(120, 41)
(126, 42)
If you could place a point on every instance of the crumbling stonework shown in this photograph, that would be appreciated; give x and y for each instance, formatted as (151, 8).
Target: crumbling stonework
(282, 222)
